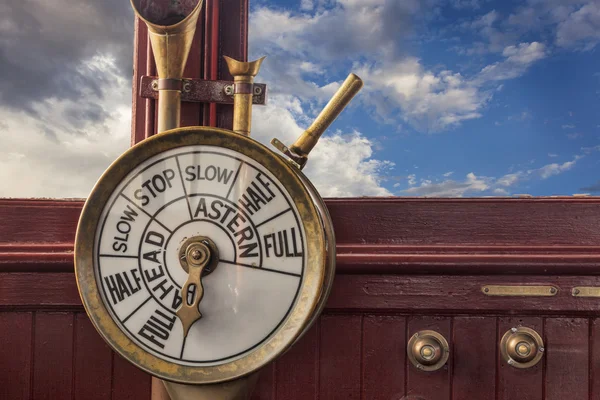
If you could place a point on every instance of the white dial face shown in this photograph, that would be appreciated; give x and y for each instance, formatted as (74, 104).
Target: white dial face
(244, 210)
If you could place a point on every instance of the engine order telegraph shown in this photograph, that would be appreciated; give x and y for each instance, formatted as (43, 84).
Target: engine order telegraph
(201, 255)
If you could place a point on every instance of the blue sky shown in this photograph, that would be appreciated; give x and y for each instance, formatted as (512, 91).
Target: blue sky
(462, 98)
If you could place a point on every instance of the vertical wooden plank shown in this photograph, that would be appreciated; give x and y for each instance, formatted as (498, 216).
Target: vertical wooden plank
(473, 350)
(434, 385)
(384, 357)
(233, 42)
(513, 383)
(594, 358)
(567, 358)
(15, 355)
(265, 387)
(93, 362)
(297, 370)
(340, 358)
(129, 382)
(53, 355)
(191, 112)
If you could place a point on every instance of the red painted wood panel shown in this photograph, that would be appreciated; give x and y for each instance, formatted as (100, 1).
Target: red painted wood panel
(473, 348)
(513, 383)
(129, 382)
(594, 377)
(340, 357)
(265, 387)
(297, 371)
(567, 358)
(15, 355)
(429, 384)
(384, 357)
(53, 356)
(92, 362)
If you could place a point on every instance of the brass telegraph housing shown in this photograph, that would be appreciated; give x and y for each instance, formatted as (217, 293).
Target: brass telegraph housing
(171, 27)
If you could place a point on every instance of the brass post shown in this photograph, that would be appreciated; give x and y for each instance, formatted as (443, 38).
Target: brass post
(243, 89)
(171, 27)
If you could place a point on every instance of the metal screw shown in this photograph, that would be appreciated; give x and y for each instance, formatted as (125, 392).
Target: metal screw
(419, 366)
(513, 330)
(196, 254)
(154, 85)
(257, 90)
(229, 90)
(541, 349)
(486, 289)
(576, 291)
(187, 86)
(511, 362)
(553, 290)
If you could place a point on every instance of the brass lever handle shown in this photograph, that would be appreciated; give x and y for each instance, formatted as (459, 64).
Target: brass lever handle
(522, 347)
(298, 152)
(428, 350)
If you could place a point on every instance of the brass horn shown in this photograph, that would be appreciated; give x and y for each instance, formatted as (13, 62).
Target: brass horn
(171, 27)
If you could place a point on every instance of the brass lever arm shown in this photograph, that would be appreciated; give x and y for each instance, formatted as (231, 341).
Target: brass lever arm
(298, 152)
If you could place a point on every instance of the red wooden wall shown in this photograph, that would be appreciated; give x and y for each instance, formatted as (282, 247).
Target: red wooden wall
(403, 265)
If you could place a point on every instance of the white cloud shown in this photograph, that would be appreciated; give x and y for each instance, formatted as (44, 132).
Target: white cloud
(474, 185)
(518, 59)
(340, 165)
(51, 156)
(581, 28)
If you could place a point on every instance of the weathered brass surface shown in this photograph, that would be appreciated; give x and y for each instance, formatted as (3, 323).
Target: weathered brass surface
(428, 350)
(298, 152)
(522, 347)
(312, 288)
(243, 77)
(518, 290)
(171, 27)
(197, 256)
(586, 291)
(239, 389)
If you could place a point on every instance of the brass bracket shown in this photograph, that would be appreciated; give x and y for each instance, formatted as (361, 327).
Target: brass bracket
(203, 91)
(503, 290)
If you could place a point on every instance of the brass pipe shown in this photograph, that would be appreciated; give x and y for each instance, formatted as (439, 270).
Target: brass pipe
(171, 27)
(305, 143)
(243, 89)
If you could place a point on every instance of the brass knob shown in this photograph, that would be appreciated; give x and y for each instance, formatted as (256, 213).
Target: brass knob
(522, 347)
(428, 350)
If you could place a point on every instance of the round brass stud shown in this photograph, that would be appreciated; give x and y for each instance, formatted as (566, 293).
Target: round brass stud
(428, 350)
(522, 347)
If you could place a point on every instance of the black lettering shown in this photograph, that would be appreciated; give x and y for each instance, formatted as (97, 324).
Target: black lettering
(266, 185)
(201, 208)
(152, 256)
(120, 285)
(154, 238)
(169, 174)
(225, 175)
(189, 171)
(161, 286)
(280, 244)
(158, 328)
(217, 212)
(234, 221)
(212, 171)
(129, 214)
(247, 249)
(119, 246)
(139, 196)
(155, 275)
